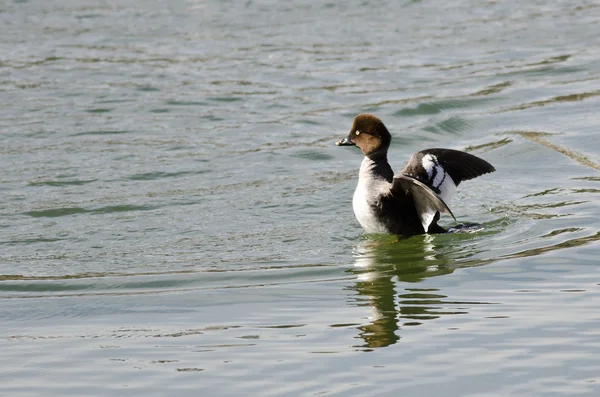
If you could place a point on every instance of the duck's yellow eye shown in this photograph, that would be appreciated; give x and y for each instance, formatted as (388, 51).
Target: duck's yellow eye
(357, 132)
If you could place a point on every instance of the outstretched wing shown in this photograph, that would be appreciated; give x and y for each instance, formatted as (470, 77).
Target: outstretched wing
(443, 169)
(426, 201)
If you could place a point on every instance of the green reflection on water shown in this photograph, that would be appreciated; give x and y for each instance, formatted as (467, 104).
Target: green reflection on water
(386, 267)
(383, 262)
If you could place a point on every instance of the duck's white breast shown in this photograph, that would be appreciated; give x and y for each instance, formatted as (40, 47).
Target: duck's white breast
(364, 194)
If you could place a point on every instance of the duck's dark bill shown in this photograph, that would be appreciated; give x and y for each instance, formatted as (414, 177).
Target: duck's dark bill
(345, 142)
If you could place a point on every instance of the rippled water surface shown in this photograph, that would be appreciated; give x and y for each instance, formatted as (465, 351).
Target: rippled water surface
(175, 218)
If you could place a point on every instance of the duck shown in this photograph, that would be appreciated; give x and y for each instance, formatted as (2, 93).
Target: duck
(411, 202)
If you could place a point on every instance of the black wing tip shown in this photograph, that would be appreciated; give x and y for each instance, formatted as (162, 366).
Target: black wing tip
(480, 167)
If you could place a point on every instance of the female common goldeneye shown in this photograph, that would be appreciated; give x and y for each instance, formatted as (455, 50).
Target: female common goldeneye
(409, 203)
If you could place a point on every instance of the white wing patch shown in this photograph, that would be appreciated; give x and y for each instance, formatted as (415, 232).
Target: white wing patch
(438, 177)
(447, 188)
(429, 162)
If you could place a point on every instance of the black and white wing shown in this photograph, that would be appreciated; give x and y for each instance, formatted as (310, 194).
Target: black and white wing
(444, 169)
(427, 203)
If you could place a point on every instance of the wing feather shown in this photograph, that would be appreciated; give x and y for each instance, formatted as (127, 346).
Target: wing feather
(461, 166)
(426, 201)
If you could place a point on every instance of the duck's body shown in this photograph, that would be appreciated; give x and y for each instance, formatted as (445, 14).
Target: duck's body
(375, 208)
(409, 203)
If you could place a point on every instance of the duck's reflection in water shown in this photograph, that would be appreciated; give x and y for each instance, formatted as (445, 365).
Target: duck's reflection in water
(382, 266)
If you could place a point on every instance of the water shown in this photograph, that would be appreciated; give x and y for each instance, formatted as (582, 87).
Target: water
(176, 219)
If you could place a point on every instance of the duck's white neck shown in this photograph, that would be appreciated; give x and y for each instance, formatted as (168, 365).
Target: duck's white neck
(375, 168)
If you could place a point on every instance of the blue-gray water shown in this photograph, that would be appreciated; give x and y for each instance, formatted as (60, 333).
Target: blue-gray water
(176, 220)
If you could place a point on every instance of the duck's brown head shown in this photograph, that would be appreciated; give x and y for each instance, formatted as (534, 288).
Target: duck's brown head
(369, 134)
